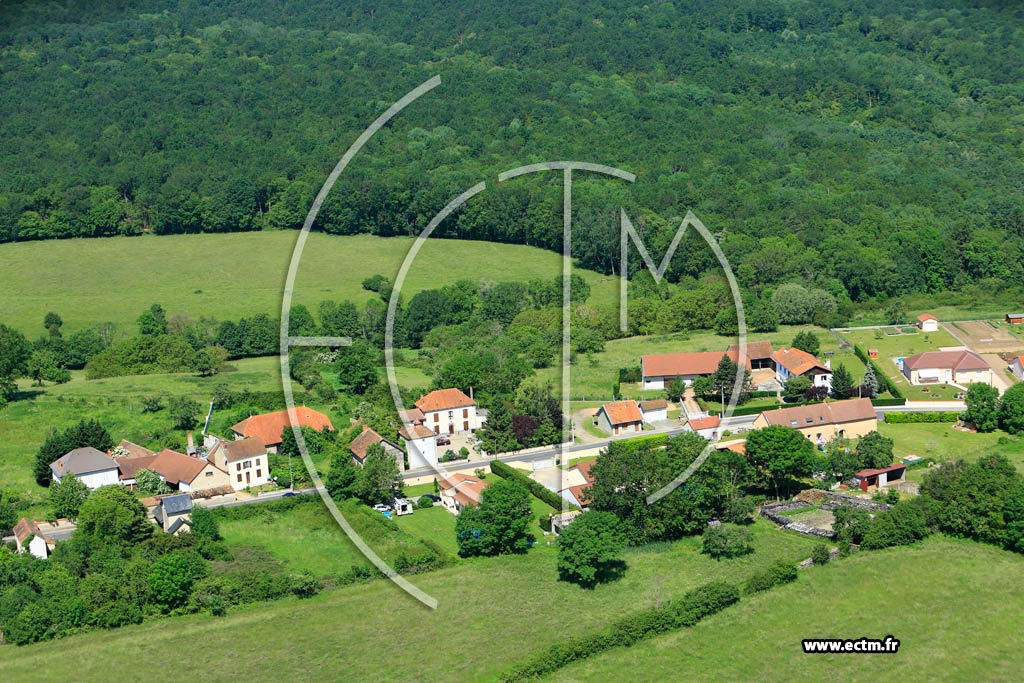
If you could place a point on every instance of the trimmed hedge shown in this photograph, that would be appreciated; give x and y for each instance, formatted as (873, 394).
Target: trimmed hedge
(916, 418)
(536, 488)
(775, 575)
(652, 441)
(888, 401)
(884, 383)
(691, 608)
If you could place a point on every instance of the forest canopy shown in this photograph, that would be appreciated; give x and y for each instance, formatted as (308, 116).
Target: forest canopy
(860, 148)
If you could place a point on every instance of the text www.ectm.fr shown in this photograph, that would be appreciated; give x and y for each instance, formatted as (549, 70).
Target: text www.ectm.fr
(858, 645)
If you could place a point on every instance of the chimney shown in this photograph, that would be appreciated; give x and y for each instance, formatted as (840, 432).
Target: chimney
(191, 447)
(471, 393)
(828, 363)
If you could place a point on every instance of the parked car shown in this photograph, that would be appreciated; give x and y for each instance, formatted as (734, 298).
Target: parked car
(381, 508)
(443, 441)
(288, 494)
(431, 496)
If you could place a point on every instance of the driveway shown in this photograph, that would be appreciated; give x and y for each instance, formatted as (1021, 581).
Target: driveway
(998, 365)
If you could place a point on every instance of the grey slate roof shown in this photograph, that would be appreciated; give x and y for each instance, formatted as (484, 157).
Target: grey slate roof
(174, 505)
(82, 461)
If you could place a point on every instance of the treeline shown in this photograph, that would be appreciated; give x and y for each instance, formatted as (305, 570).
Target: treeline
(822, 173)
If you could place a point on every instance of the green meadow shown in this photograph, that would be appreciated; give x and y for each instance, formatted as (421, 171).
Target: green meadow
(228, 276)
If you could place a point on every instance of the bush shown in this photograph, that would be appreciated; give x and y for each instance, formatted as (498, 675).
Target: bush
(727, 540)
(819, 554)
(687, 611)
(775, 575)
(926, 417)
(740, 510)
(425, 502)
(537, 489)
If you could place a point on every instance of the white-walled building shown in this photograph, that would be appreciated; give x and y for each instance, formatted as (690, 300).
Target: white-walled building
(654, 411)
(92, 467)
(928, 322)
(449, 411)
(420, 446)
(707, 427)
(792, 362)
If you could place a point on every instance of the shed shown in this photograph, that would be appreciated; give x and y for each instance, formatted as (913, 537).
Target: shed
(1015, 318)
(880, 478)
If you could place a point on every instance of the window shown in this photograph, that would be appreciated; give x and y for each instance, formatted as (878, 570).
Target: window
(257, 462)
(238, 467)
(465, 412)
(239, 478)
(259, 473)
(450, 414)
(209, 474)
(248, 464)
(437, 417)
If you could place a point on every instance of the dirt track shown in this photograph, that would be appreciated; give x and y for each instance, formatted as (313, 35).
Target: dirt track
(983, 336)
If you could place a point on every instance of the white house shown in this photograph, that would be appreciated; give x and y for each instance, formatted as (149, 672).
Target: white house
(654, 411)
(1017, 367)
(420, 446)
(928, 322)
(28, 537)
(92, 467)
(792, 362)
(459, 490)
(449, 411)
(707, 427)
(620, 417)
(245, 460)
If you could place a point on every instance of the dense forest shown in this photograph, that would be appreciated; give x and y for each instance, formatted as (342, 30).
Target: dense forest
(855, 147)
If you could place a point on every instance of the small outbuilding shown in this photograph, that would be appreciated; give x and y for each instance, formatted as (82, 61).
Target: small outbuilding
(654, 410)
(880, 478)
(928, 322)
(403, 506)
(1015, 318)
(620, 417)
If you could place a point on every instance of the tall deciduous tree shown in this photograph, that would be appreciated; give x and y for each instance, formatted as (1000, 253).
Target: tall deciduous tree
(499, 524)
(982, 407)
(67, 496)
(590, 547)
(1011, 410)
(780, 453)
(379, 480)
(875, 450)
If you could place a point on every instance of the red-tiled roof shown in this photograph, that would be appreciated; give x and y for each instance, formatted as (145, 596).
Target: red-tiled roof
(134, 449)
(584, 468)
(655, 404)
(465, 488)
(946, 360)
(864, 474)
(367, 438)
(700, 423)
(411, 416)
(679, 364)
(444, 399)
(622, 413)
(414, 432)
(830, 412)
(798, 361)
(926, 316)
(269, 426)
(581, 492)
(129, 466)
(176, 467)
(243, 449)
(758, 350)
(25, 528)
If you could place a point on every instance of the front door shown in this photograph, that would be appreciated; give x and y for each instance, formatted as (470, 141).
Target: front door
(451, 428)
(247, 478)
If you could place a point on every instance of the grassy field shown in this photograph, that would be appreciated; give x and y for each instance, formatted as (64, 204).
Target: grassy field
(307, 538)
(954, 606)
(593, 376)
(99, 280)
(942, 442)
(491, 612)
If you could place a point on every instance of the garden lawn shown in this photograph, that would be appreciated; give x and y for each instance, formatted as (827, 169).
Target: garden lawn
(435, 524)
(941, 442)
(307, 538)
(955, 606)
(491, 612)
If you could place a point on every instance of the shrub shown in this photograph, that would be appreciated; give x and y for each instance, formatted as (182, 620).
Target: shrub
(926, 417)
(727, 540)
(740, 510)
(819, 554)
(775, 575)
(425, 502)
(536, 488)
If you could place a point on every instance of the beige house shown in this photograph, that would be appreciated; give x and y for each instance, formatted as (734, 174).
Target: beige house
(620, 417)
(961, 367)
(246, 461)
(928, 322)
(367, 438)
(459, 490)
(822, 422)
